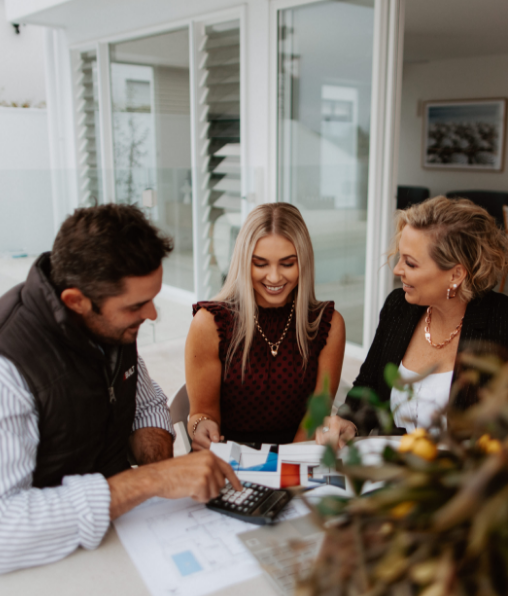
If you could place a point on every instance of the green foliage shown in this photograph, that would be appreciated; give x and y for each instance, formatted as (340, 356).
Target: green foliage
(353, 459)
(366, 394)
(391, 374)
(329, 458)
(370, 398)
(318, 407)
(353, 456)
(439, 524)
(331, 506)
(389, 454)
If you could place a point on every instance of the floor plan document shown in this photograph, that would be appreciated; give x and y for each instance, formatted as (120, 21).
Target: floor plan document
(180, 548)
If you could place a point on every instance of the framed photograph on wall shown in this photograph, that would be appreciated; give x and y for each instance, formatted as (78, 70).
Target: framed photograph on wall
(464, 135)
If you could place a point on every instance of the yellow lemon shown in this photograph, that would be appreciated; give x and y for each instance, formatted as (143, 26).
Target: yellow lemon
(406, 443)
(493, 446)
(419, 432)
(425, 449)
(483, 441)
(402, 509)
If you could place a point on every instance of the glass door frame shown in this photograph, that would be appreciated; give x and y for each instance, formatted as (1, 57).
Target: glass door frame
(101, 47)
(198, 141)
(384, 138)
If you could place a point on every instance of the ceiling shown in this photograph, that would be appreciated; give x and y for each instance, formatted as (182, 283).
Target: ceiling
(444, 29)
(434, 29)
(166, 49)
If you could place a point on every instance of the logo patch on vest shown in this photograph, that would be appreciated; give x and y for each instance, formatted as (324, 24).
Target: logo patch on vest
(128, 373)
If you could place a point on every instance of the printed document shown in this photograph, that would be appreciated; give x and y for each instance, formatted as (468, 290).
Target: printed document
(181, 548)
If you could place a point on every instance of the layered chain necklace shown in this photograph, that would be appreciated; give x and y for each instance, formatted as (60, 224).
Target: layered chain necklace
(427, 331)
(274, 347)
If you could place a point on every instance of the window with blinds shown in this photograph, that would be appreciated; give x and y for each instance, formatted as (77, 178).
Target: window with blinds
(87, 124)
(219, 135)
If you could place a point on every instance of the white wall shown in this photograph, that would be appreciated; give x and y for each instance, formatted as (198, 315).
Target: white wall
(22, 63)
(26, 208)
(84, 21)
(470, 78)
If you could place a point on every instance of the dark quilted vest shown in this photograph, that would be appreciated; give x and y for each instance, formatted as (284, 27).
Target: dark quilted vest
(85, 411)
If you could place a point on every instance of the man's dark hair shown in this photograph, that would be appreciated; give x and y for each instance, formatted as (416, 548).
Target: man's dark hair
(97, 247)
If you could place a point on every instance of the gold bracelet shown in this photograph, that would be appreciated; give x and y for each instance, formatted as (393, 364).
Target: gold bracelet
(195, 425)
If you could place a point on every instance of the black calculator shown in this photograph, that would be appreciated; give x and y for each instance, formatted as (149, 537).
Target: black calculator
(255, 504)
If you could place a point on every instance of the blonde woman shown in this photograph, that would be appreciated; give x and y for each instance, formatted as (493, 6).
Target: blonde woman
(258, 350)
(451, 256)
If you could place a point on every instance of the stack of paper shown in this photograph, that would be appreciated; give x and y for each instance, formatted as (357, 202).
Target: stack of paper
(278, 466)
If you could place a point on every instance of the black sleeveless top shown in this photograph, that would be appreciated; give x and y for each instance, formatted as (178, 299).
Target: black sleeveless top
(268, 406)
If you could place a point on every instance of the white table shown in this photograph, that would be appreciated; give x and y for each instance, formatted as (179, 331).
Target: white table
(106, 571)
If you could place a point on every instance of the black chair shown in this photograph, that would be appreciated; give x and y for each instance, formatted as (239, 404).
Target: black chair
(492, 201)
(410, 195)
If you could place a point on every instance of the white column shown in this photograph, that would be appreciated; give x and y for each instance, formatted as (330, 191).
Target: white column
(385, 117)
(62, 148)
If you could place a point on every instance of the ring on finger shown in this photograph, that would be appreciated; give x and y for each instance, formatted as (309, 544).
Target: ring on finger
(326, 429)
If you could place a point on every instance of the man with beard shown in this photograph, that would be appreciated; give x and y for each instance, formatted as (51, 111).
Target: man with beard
(76, 401)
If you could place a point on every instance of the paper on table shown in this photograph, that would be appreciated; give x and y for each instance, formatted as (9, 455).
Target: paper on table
(180, 548)
(371, 450)
(241, 456)
(265, 467)
(298, 452)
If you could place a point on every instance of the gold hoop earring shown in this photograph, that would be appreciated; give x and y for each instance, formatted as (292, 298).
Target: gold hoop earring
(449, 294)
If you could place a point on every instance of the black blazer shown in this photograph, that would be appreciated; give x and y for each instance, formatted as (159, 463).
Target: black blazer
(486, 319)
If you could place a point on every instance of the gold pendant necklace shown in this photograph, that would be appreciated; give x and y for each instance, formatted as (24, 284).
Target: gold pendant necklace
(274, 347)
(427, 331)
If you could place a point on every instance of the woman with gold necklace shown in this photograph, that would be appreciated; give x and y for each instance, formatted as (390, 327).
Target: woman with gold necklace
(257, 351)
(451, 256)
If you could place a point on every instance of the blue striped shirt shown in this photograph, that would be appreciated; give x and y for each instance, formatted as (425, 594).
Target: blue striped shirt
(38, 526)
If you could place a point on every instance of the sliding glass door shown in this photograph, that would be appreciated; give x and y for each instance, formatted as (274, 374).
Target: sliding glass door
(158, 126)
(150, 101)
(324, 79)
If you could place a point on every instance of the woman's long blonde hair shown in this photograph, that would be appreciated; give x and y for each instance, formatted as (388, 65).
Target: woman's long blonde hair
(285, 220)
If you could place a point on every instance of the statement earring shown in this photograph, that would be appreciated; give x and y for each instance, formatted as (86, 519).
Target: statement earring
(451, 292)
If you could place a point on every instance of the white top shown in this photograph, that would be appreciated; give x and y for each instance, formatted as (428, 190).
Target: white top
(39, 526)
(430, 395)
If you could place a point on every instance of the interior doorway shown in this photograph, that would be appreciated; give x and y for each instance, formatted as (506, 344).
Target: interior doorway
(454, 52)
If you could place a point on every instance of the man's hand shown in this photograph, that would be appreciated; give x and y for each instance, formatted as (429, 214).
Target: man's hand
(149, 445)
(207, 432)
(336, 432)
(198, 475)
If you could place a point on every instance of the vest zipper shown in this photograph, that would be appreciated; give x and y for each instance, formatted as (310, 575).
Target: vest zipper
(111, 384)
(112, 396)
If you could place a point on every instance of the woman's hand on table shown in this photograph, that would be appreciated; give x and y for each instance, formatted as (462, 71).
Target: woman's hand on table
(207, 432)
(335, 431)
